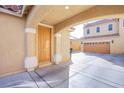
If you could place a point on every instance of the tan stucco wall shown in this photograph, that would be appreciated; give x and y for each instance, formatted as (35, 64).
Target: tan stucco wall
(30, 44)
(34, 17)
(103, 29)
(12, 46)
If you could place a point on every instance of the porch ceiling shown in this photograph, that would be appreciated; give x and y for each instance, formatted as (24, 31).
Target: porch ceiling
(58, 13)
(53, 14)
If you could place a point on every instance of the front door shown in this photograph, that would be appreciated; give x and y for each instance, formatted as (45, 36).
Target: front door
(44, 44)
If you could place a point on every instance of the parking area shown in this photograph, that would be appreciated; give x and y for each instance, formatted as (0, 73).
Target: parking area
(86, 70)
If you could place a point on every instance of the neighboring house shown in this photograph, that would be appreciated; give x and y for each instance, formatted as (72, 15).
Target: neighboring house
(75, 44)
(103, 36)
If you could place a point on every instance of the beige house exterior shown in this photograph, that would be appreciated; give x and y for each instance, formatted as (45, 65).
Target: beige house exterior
(75, 44)
(18, 35)
(103, 27)
(114, 37)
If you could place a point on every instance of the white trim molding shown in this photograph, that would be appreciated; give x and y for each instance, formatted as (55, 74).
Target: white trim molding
(41, 24)
(30, 30)
(97, 41)
(31, 63)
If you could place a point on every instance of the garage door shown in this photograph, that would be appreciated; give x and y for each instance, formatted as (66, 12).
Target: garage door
(98, 47)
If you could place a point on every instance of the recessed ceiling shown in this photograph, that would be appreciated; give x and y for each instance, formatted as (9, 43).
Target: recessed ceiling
(54, 14)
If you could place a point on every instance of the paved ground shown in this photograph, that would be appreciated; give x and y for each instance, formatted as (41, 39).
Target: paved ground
(86, 70)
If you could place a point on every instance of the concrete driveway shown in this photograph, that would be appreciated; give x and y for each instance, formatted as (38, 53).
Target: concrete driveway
(87, 70)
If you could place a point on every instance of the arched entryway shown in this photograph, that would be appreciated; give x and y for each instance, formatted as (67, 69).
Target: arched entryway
(95, 12)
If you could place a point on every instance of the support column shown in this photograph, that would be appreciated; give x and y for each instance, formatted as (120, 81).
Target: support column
(62, 49)
(57, 56)
(31, 61)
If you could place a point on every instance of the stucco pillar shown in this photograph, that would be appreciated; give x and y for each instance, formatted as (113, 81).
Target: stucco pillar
(65, 45)
(57, 56)
(62, 49)
(30, 62)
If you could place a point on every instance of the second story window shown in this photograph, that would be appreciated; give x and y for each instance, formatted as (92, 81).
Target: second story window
(88, 31)
(110, 27)
(98, 29)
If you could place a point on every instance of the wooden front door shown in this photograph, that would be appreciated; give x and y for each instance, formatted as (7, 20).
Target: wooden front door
(44, 44)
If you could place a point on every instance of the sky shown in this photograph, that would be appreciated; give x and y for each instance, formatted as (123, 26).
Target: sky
(78, 32)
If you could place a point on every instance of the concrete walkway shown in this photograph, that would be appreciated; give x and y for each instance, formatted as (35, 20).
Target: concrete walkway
(87, 70)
